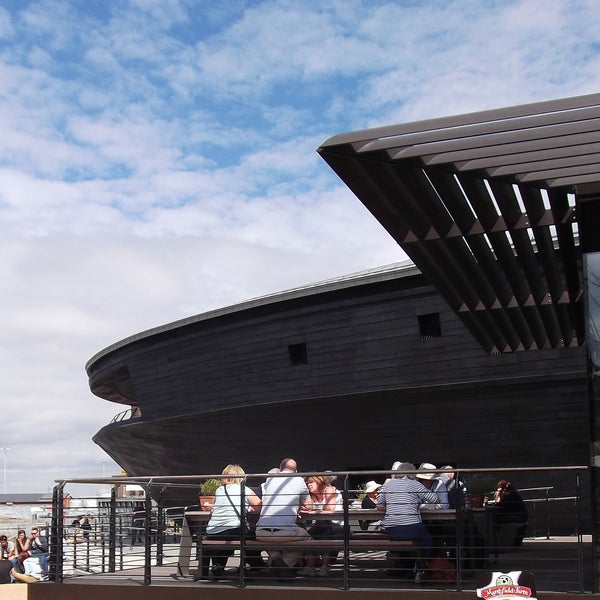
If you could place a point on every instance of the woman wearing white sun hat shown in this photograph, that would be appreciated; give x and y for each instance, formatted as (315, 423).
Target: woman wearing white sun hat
(370, 501)
(399, 499)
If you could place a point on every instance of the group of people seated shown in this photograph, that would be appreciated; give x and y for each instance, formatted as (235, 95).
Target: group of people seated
(24, 559)
(403, 497)
(272, 513)
(278, 512)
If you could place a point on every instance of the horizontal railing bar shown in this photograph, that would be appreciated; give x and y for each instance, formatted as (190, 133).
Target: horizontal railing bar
(158, 479)
(550, 499)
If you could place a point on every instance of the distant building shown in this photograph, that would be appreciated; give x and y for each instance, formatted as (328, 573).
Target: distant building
(21, 499)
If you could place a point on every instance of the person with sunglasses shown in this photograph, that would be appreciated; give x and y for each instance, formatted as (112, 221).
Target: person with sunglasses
(38, 555)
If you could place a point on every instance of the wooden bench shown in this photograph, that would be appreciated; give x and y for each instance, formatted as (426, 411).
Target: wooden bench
(360, 543)
(310, 544)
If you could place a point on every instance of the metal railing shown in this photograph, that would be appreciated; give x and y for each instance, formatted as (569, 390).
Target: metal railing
(125, 415)
(148, 548)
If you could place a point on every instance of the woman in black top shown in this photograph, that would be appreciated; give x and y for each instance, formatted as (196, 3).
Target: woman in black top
(510, 505)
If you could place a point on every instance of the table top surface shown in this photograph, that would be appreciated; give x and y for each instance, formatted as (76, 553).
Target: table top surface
(358, 513)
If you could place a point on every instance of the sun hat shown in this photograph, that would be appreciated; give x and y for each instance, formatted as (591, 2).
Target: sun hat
(427, 475)
(371, 486)
(403, 466)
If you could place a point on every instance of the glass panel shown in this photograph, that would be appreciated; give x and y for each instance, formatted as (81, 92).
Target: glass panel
(592, 276)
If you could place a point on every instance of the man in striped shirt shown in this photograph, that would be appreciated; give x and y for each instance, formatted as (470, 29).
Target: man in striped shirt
(400, 498)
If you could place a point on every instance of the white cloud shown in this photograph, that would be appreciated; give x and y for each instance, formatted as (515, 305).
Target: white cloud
(6, 30)
(158, 160)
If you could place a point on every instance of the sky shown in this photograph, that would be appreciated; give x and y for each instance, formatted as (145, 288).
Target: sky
(158, 160)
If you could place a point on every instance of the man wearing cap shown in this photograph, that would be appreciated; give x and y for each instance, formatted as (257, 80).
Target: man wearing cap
(400, 498)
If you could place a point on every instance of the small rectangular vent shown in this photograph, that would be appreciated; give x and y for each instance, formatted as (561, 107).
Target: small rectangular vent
(430, 326)
(298, 354)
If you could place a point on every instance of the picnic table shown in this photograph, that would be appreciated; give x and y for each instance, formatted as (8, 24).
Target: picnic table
(195, 520)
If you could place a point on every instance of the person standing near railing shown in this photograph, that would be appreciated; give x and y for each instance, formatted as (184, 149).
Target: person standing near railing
(138, 523)
(86, 527)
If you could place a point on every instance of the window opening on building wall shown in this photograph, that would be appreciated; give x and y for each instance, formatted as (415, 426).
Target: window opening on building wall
(430, 326)
(298, 354)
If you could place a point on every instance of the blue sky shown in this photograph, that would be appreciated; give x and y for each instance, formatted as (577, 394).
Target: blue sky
(157, 160)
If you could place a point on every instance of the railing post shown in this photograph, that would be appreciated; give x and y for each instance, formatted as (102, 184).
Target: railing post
(345, 505)
(112, 531)
(74, 553)
(121, 545)
(579, 533)
(547, 514)
(56, 535)
(148, 537)
(160, 531)
(242, 533)
(103, 553)
(458, 533)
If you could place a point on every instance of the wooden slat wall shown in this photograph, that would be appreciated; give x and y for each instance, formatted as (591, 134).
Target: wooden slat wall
(372, 391)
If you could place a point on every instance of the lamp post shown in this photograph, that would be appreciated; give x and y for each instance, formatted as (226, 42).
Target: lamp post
(4, 449)
(103, 489)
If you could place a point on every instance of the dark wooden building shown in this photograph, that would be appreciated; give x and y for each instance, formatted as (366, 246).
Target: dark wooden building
(475, 357)
(353, 373)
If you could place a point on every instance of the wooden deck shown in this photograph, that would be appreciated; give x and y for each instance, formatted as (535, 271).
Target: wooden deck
(551, 561)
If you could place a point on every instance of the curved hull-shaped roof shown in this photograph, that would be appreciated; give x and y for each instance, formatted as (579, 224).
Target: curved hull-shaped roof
(345, 376)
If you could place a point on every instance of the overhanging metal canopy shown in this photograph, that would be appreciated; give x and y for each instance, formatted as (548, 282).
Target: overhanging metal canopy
(485, 204)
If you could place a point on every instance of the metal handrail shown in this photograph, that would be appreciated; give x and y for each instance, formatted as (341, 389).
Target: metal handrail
(116, 531)
(125, 415)
(192, 480)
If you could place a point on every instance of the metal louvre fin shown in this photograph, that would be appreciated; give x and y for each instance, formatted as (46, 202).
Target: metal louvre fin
(502, 251)
(590, 168)
(456, 257)
(502, 137)
(519, 165)
(517, 128)
(499, 225)
(476, 228)
(454, 231)
(432, 234)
